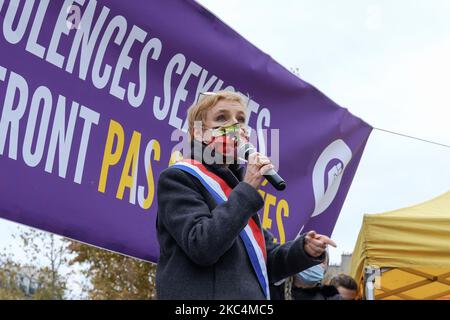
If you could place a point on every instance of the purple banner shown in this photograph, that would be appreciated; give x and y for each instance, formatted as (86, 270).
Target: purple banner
(93, 97)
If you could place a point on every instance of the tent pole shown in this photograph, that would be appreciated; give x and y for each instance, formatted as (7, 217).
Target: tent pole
(370, 274)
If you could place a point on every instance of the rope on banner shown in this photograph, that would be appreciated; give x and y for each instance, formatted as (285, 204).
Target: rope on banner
(415, 138)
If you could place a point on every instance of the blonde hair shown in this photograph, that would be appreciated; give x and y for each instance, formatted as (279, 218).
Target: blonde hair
(197, 112)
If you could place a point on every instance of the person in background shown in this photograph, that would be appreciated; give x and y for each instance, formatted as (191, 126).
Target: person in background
(307, 285)
(346, 285)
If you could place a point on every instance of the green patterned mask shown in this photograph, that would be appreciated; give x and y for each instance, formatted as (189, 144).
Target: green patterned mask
(229, 130)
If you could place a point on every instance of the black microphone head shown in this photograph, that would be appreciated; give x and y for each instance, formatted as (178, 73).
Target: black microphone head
(281, 186)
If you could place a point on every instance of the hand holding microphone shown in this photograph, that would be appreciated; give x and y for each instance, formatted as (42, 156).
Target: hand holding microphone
(259, 167)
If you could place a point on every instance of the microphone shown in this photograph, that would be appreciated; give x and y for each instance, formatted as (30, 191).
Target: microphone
(245, 150)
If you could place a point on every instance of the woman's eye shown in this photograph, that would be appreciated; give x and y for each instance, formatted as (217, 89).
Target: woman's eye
(220, 118)
(241, 120)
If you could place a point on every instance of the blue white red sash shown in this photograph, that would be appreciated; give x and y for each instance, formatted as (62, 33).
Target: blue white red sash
(252, 235)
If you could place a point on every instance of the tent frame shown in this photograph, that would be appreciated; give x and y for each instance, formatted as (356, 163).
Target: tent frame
(372, 281)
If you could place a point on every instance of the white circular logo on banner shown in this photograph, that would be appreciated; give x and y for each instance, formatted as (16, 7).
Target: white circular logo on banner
(327, 174)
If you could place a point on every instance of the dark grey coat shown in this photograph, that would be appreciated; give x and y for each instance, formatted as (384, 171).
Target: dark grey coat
(202, 255)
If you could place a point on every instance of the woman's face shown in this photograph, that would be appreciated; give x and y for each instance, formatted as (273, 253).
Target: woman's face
(223, 114)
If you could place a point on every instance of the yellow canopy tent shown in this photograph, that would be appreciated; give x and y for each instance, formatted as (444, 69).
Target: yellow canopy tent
(405, 254)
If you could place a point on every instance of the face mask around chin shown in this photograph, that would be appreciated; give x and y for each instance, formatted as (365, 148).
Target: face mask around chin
(213, 152)
(312, 276)
(225, 145)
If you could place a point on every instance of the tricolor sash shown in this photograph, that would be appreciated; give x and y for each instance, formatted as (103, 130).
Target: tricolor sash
(252, 235)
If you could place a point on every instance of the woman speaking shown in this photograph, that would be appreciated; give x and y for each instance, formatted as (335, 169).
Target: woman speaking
(211, 239)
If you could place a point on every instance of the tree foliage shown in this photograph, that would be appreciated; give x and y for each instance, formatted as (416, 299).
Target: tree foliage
(37, 275)
(114, 276)
(44, 264)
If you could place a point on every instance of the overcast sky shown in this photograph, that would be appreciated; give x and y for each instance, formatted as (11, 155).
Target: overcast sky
(388, 62)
